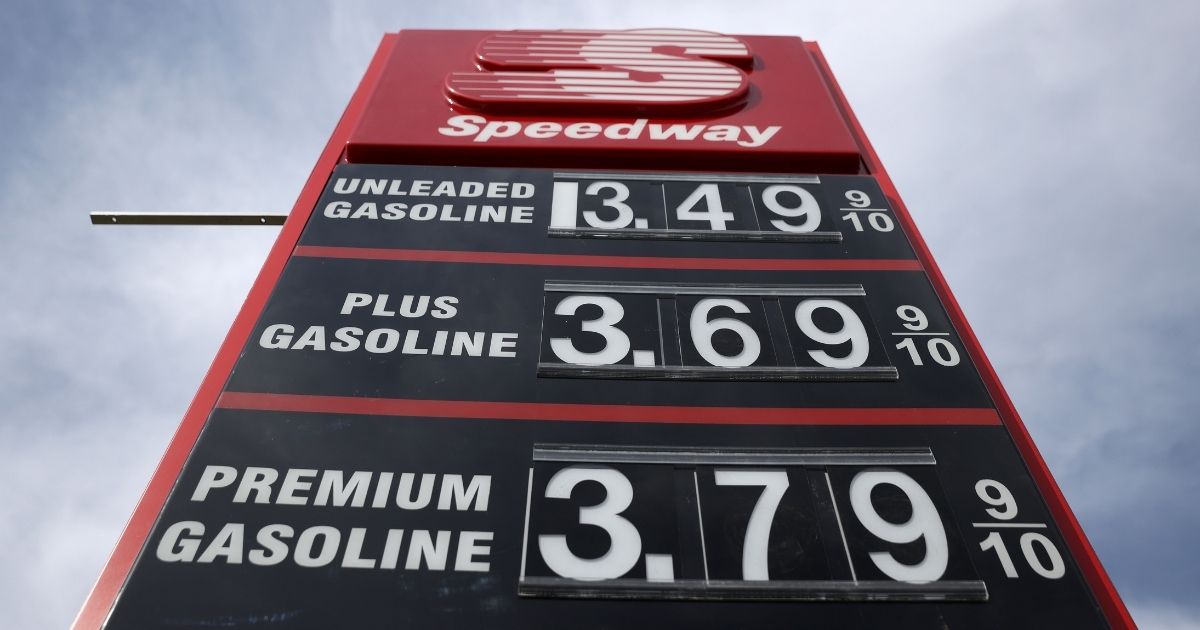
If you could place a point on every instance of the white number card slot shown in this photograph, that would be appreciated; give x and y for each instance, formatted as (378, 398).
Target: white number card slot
(697, 177)
(904, 456)
(698, 373)
(753, 236)
(809, 290)
(794, 590)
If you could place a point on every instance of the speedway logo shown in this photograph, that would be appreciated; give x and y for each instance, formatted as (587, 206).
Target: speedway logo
(480, 129)
(667, 71)
(645, 71)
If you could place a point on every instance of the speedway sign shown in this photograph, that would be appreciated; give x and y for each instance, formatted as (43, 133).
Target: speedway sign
(601, 328)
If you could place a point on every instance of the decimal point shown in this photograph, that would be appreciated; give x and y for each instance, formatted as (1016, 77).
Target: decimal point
(643, 358)
(641, 224)
(660, 567)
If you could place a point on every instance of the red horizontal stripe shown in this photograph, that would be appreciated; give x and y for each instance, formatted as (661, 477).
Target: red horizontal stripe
(571, 260)
(602, 413)
(700, 82)
(535, 81)
(607, 35)
(606, 39)
(631, 90)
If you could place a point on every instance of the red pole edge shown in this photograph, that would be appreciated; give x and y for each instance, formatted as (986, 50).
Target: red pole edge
(107, 588)
(1089, 563)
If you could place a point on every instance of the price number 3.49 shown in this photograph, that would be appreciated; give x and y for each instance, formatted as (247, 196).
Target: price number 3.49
(729, 208)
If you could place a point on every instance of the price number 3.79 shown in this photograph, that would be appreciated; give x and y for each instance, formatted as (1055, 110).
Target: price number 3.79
(776, 526)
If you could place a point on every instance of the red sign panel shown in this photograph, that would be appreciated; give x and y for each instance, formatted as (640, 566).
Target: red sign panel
(630, 97)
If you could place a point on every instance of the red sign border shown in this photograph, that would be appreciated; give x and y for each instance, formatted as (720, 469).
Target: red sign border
(107, 588)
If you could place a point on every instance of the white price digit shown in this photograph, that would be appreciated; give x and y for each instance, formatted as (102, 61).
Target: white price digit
(852, 330)
(1057, 567)
(703, 330)
(879, 221)
(714, 213)
(858, 198)
(914, 318)
(808, 208)
(758, 531)
(942, 351)
(924, 523)
(625, 542)
(1029, 540)
(998, 495)
(616, 342)
(995, 543)
(616, 202)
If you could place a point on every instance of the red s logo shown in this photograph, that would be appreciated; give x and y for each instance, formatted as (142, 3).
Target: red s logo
(662, 70)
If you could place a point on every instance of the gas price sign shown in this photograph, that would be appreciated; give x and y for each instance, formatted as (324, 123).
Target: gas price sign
(532, 350)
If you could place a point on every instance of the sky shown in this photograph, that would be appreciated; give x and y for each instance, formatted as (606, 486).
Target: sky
(1046, 150)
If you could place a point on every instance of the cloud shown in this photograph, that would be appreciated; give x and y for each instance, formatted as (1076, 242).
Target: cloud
(1152, 615)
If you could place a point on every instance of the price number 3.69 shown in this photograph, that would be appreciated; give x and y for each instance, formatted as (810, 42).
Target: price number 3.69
(767, 332)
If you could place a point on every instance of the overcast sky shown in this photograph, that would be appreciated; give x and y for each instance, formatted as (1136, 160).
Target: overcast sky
(1048, 151)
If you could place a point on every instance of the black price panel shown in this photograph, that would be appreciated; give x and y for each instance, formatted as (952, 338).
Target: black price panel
(681, 214)
(420, 330)
(319, 520)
